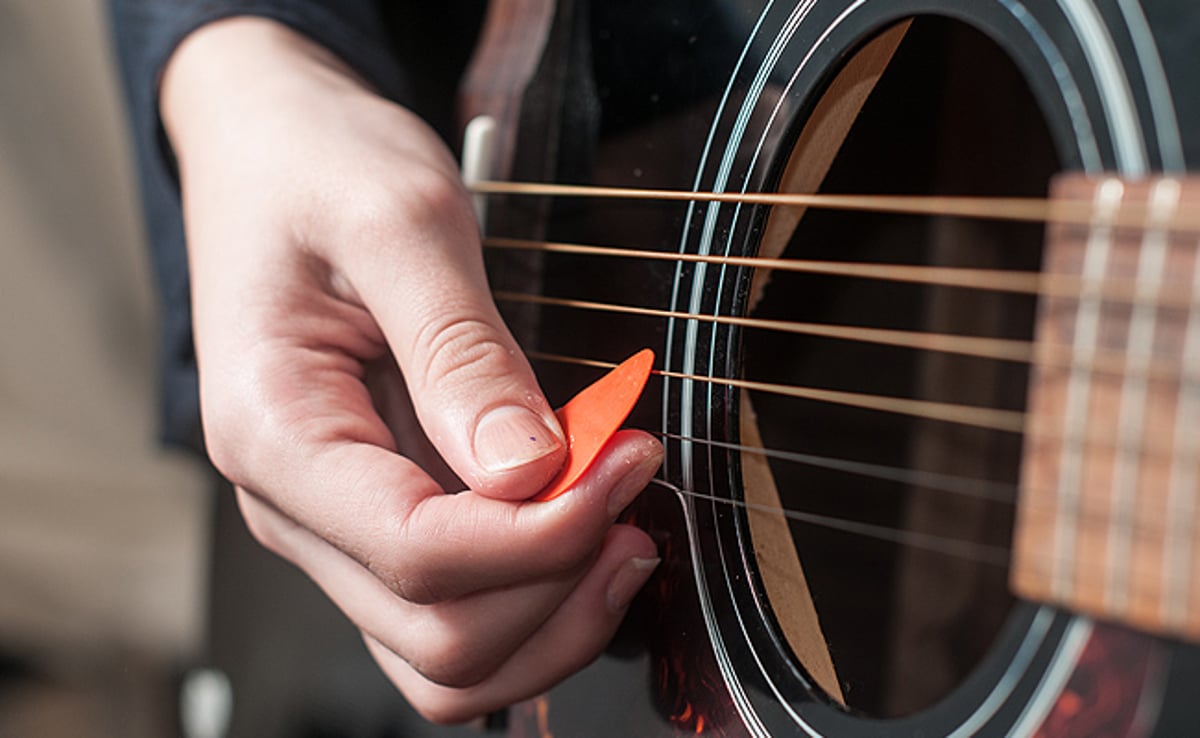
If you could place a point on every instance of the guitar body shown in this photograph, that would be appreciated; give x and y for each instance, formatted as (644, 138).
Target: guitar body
(917, 636)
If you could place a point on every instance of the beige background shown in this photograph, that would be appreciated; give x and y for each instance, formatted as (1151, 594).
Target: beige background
(101, 532)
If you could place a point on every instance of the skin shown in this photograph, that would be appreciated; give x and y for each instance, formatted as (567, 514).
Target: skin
(336, 273)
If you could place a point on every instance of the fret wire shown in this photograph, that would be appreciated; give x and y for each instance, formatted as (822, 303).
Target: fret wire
(1151, 268)
(1184, 477)
(1034, 210)
(993, 280)
(1070, 469)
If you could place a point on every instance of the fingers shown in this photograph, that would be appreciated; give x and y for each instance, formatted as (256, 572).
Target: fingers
(570, 639)
(293, 422)
(473, 390)
(540, 538)
(376, 200)
(459, 657)
(382, 511)
(457, 643)
(305, 269)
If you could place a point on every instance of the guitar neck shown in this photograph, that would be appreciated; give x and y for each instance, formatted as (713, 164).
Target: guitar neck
(1109, 500)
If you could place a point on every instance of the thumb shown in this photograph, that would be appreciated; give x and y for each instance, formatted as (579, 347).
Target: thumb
(472, 388)
(480, 404)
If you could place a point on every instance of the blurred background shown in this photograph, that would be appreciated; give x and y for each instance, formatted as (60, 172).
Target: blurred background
(103, 534)
(125, 569)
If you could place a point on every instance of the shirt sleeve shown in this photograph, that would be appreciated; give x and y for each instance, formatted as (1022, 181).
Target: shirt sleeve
(146, 33)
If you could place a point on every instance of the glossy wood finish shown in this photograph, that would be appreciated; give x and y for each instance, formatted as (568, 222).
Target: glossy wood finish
(712, 95)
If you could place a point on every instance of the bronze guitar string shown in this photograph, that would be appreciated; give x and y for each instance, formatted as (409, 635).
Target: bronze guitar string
(1024, 209)
(979, 488)
(1106, 362)
(997, 280)
(1008, 421)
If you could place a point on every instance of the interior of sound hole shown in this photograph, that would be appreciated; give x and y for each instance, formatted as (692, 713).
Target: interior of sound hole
(904, 626)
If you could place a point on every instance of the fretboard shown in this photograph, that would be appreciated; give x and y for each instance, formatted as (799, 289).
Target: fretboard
(1109, 507)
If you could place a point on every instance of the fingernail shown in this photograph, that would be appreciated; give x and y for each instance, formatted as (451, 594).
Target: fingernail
(631, 484)
(510, 437)
(628, 581)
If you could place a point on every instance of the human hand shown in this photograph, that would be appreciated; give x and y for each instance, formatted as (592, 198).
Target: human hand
(331, 242)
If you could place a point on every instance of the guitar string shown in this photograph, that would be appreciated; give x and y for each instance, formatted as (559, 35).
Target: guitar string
(1034, 210)
(988, 554)
(1045, 354)
(956, 547)
(949, 546)
(1007, 421)
(984, 553)
(1111, 362)
(1121, 290)
(966, 486)
(1146, 517)
(1004, 350)
(1015, 209)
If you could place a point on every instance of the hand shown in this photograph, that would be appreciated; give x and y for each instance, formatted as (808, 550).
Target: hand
(333, 251)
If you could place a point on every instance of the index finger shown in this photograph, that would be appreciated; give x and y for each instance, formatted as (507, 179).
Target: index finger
(428, 546)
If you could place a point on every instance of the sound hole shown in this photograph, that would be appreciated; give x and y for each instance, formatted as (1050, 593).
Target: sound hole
(904, 624)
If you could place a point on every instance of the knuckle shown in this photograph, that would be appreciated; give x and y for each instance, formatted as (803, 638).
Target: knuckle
(242, 406)
(263, 532)
(565, 551)
(412, 575)
(570, 555)
(413, 584)
(433, 196)
(371, 214)
(225, 441)
(422, 200)
(451, 661)
(271, 532)
(461, 350)
(241, 422)
(424, 694)
(221, 452)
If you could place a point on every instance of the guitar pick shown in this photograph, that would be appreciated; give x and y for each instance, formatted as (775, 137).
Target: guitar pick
(591, 418)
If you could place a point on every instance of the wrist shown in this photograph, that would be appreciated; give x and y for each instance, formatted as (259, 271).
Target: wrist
(232, 67)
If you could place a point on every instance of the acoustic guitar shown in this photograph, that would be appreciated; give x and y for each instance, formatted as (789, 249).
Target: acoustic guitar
(922, 280)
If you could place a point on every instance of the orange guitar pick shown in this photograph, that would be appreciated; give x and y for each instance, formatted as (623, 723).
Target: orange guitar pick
(594, 415)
